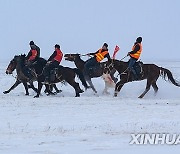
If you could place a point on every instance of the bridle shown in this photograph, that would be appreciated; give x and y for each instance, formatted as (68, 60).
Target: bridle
(109, 67)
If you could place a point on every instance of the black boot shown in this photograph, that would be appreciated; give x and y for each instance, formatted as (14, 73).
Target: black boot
(134, 74)
(46, 81)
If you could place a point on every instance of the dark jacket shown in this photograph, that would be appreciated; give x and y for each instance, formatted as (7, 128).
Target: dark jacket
(137, 48)
(52, 56)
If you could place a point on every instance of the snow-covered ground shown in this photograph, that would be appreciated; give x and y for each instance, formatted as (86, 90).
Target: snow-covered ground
(89, 124)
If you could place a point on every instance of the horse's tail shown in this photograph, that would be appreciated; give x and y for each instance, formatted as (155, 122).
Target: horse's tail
(80, 75)
(167, 75)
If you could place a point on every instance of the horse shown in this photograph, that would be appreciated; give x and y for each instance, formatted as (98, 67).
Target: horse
(109, 80)
(61, 74)
(18, 64)
(151, 72)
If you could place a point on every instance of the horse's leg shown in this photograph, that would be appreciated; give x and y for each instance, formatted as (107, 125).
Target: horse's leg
(155, 87)
(32, 86)
(57, 90)
(118, 87)
(112, 76)
(39, 89)
(148, 85)
(14, 86)
(26, 88)
(105, 91)
(91, 85)
(49, 89)
(75, 85)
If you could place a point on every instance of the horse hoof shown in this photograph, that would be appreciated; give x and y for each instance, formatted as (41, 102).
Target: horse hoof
(106, 93)
(58, 91)
(88, 87)
(27, 94)
(115, 95)
(5, 92)
(37, 96)
(140, 97)
(81, 91)
(51, 93)
(77, 95)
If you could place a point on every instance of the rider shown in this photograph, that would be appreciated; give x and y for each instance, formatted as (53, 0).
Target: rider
(94, 61)
(32, 57)
(134, 55)
(34, 53)
(53, 62)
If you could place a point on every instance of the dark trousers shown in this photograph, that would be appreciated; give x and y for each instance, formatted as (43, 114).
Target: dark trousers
(26, 69)
(131, 63)
(92, 62)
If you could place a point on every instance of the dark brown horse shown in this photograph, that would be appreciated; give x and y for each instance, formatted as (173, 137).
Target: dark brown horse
(18, 63)
(151, 72)
(62, 74)
(80, 65)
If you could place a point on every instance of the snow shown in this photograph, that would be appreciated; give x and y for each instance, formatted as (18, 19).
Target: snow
(90, 124)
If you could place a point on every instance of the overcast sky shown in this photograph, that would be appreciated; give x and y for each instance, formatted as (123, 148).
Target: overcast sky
(82, 26)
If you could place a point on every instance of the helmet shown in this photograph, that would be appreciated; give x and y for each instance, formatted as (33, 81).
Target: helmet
(57, 46)
(139, 39)
(105, 44)
(31, 43)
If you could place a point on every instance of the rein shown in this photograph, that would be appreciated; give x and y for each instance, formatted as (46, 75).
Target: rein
(14, 76)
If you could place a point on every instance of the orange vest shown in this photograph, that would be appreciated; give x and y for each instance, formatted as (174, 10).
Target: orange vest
(100, 55)
(59, 55)
(138, 53)
(34, 55)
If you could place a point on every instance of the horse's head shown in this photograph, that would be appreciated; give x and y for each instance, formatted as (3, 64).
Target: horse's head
(11, 67)
(71, 57)
(13, 63)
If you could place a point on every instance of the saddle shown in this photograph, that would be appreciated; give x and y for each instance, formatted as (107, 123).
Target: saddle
(29, 73)
(138, 67)
(94, 71)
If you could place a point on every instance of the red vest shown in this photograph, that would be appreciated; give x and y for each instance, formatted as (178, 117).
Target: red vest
(34, 55)
(58, 56)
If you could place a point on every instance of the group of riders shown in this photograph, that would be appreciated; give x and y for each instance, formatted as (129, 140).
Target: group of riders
(56, 58)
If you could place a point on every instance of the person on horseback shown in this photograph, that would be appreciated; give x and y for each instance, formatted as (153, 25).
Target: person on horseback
(32, 57)
(95, 61)
(53, 62)
(134, 56)
(34, 53)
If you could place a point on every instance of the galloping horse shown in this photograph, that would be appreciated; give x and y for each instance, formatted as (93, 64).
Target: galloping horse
(18, 64)
(151, 72)
(61, 74)
(80, 65)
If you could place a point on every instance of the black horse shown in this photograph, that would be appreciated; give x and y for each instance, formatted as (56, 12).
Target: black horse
(151, 72)
(61, 74)
(18, 63)
(98, 73)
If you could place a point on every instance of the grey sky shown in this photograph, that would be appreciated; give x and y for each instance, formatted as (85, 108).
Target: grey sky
(84, 25)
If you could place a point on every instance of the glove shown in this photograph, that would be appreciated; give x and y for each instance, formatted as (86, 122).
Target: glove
(128, 53)
(49, 62)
